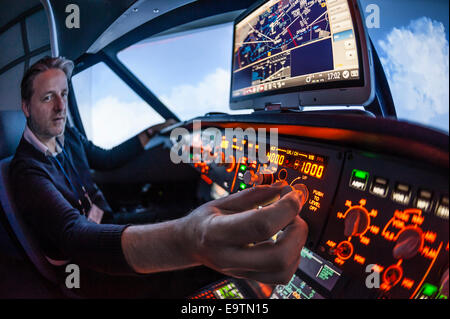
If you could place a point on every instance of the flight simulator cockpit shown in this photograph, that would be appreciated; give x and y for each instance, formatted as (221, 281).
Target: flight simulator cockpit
(319, 116)
(378, 221)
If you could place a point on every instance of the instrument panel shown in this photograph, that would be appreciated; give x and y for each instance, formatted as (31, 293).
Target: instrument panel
(378, 225)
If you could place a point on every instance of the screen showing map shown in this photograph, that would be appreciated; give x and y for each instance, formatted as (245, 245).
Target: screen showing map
(293, 44)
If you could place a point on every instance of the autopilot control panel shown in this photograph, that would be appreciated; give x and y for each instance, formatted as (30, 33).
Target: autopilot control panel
(378, 225)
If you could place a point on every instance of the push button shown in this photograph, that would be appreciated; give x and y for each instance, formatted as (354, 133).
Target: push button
(359, 179)
(401, 194)
(379, 187)
(442, 208)
(423, 200)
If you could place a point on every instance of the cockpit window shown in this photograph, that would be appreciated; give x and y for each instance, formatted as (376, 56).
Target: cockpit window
(111, 112)
(412, 40)
(188, 71)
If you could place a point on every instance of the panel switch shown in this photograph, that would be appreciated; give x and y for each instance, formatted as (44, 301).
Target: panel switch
(359, 179)
(401, 194)
(379, 187)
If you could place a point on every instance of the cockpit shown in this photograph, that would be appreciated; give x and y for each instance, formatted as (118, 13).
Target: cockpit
(262, 92)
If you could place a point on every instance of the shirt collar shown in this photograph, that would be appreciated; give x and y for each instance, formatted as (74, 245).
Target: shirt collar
(31, 138)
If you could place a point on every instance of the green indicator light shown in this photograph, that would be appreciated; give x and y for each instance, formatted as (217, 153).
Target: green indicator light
(191, 156)
(242, 186)
(429, 290)
(360, 174)
(243, 168)
(442, 297)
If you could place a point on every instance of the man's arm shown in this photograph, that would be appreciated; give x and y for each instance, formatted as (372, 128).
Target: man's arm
(54, 220)
(230, 235)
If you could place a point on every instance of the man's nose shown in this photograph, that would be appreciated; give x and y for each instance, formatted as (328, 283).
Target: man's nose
(60, 104)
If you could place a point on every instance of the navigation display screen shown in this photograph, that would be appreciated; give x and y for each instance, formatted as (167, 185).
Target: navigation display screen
(295, 289)
(320, 270)
(293, 44)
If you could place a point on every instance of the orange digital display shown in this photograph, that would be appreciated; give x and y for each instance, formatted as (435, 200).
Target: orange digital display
(312, 169)
(308, 164)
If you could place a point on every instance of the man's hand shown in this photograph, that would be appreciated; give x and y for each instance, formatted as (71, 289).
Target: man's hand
(232, 234)
(148, 133)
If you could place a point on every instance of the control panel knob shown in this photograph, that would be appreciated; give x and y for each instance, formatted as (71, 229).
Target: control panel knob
(303, 190)
(356, 221)
(408, 243)
(251, 178)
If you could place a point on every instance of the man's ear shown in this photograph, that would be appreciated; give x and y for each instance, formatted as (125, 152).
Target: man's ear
(26, 109)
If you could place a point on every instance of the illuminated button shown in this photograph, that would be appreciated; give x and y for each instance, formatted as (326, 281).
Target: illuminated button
(423, 200)
(344, 250)
(392, 275)
(240, 175)
(242, 186)
(359, 179)
(442, 208)
(243, 168)
(379, 187)
(428, 290)
(401, 194)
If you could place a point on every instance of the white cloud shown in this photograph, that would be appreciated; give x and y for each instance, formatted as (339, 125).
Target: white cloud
(416, 62)
(114, 121)
(209, 95)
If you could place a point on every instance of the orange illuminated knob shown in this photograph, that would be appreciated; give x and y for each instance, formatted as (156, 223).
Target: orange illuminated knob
(344, 250)
(408, 244)
(303, 191)
(251, 178)
(357, 221)
(392, 275)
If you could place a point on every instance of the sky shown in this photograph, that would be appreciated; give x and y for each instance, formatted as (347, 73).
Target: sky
(190, 72)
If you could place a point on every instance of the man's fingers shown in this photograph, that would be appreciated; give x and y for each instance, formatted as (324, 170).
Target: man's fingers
(265, 259)
(256, 225)
(251, 198)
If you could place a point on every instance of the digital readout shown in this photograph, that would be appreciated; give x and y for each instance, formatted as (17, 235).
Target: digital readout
(308, 164)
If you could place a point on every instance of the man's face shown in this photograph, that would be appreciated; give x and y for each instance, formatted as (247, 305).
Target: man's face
(47, 109)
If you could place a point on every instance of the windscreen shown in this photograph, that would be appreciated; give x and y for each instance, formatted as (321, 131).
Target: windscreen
(288, 45)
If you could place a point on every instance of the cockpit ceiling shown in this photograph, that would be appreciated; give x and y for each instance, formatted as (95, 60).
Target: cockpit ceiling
(10, 10)
(102, 23)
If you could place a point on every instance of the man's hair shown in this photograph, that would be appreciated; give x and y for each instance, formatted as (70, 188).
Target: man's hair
(44, 64)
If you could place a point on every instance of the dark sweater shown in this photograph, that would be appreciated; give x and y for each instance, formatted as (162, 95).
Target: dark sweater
(50, 207)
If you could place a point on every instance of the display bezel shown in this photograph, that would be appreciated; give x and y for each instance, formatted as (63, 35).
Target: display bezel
(358, 92)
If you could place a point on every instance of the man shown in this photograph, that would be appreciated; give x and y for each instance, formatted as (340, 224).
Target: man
(54, 190)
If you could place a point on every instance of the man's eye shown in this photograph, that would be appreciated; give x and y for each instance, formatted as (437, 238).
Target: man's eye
(47, 98)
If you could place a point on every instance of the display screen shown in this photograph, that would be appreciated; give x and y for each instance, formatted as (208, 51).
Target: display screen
(295, 289)
(226, 289)
(294, 44)
(318, 269)
(303, 162)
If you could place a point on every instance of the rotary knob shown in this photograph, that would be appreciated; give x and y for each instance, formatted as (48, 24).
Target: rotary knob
(408, 243)
(251, 178)
(303, 191)
(357, 221)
